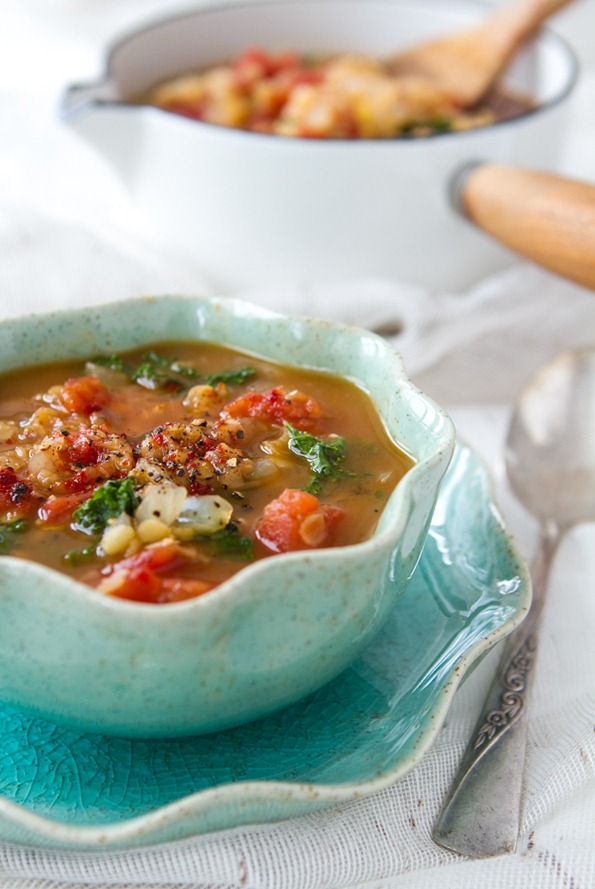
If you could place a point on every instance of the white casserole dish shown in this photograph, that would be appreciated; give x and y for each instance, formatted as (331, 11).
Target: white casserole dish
(259, 210)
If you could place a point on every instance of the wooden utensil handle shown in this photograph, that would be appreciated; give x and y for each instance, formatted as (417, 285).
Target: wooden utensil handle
(540, 10)
(546, 218)
(519, 20)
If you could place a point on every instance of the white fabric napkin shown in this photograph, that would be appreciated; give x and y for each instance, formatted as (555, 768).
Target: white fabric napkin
(68, 236)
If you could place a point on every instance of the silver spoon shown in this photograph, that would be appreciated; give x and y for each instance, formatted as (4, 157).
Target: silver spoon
(550, 461)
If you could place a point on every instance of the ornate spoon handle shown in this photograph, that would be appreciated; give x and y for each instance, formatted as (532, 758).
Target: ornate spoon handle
(481, 815)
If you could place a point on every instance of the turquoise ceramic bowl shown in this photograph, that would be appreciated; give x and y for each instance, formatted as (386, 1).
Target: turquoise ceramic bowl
(278, 630)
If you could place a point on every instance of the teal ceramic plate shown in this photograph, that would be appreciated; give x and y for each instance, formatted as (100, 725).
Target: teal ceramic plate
(356, 735)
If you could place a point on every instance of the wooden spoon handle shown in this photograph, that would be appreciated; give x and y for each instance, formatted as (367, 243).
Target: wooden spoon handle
(546, 218)
(534, 12)
(510, 25)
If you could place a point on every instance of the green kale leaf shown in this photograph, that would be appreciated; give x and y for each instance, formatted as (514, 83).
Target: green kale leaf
(229, 542)
(80, 556)
(235, 377)
(325, 456)
(107, 502)
(113, 362)
(7, 534)
(157, 372)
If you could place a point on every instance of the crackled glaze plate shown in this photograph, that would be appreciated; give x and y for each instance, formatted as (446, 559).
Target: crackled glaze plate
(358, 734)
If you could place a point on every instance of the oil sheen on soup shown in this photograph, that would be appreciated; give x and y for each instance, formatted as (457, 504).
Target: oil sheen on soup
(157, 474)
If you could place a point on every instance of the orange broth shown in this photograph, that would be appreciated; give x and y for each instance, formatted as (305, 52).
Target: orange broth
(71, 430)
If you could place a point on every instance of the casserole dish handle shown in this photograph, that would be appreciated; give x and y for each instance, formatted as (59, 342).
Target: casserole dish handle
(546, 218)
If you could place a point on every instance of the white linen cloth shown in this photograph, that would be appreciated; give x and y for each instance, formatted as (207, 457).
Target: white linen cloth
(68, 236)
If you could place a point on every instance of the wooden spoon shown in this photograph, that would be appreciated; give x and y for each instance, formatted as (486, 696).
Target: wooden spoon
(468, 63)
(546, 218)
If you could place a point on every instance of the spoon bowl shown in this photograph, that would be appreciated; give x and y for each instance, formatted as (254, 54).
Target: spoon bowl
(550, 452)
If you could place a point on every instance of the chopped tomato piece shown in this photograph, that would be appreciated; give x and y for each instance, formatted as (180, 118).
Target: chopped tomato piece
(249, 67)
(255, 63)
(177, 589)
(287, 60)
(278, 407)
(140, 577)
(194, 112)
(301, 76)
(296, 520)
(139, 584)
(58, 509)
(161, 557)
(83, 395)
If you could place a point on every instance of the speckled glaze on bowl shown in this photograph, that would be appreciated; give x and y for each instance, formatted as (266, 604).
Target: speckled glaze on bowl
(267, 637)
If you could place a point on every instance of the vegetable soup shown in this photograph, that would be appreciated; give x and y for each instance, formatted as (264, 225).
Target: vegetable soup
(156, 474)
(340, 97)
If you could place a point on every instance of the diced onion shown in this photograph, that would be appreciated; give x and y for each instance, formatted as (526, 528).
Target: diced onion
(203, 515)
(277, 449)
(7, 430)
(263, 470)
(163, 501)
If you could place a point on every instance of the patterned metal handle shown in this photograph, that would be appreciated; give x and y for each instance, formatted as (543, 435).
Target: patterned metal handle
(514, 677)
(481, 815)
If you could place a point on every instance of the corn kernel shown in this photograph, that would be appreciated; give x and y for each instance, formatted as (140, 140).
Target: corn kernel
(152, 530)
(116, 539)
